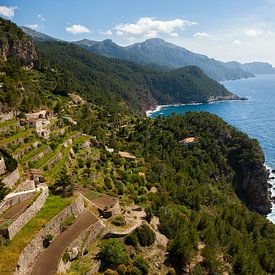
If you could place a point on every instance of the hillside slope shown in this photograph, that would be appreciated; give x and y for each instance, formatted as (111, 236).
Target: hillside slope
(165, 55)
(125, 82)
(158, 53)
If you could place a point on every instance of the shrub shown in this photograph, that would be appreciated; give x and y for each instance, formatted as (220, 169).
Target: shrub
(132, 239)
(68, 221)
(141, 264)
(118, 220)
(47, 240)
(113, 253)
(146, 235)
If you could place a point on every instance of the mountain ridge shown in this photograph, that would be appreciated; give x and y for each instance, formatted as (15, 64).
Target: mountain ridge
(157, 51)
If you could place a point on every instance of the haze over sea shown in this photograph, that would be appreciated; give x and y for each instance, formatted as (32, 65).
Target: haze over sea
(256, 116)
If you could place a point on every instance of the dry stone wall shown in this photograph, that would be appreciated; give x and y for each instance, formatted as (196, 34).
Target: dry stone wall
(12, 178)
(6, 204)
(2, 166)
(33, 249)
(28, 214)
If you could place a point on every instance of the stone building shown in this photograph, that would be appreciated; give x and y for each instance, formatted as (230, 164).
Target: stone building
(2, 166)
(107, 206)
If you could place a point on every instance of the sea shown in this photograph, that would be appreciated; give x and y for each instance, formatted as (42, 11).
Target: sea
(256, 116)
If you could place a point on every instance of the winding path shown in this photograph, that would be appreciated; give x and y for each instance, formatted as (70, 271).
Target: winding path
(47, 261)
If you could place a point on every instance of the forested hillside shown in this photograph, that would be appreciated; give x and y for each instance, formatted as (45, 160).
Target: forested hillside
(119, 81)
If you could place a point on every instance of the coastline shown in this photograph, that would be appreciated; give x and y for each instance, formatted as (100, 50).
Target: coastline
(158, 108)
(271, 190)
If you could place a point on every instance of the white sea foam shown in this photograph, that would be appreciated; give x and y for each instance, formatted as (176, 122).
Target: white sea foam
(271, 216)
(160, 107)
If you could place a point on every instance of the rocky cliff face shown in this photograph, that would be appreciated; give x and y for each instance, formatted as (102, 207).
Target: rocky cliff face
(15, 43)
(253, 187)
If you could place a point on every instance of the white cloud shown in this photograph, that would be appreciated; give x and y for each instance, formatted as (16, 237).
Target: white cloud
(41, 17)
(108, 32)
(202, 34)
(149, 27)
(174, 34)
(253, 33)
(8, 12)
(33, 26)
(237, 42)
(77, 29)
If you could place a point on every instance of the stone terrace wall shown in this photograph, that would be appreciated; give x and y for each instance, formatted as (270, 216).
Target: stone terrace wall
(28, 214)
(80, 243)
(33, 249)
(2, 166)
(86, 237)
(6, 204)
(12, 178)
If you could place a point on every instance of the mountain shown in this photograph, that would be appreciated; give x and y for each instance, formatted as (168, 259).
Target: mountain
(137, 86)
(253, 67)
(38, 36)
(166, 55)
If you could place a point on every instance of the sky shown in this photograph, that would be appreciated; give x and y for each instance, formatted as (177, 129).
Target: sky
(241, 30)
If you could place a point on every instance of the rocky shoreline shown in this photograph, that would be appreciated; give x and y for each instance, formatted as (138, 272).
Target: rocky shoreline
(157, 108)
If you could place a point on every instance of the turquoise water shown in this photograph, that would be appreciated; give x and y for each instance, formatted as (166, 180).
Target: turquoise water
(255, 116)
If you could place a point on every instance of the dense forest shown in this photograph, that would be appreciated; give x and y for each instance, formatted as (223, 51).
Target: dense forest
(196, 201)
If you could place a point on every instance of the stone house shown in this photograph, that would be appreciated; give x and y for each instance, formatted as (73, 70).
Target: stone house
(37, 115)
(127, 156)
(107, 206)
(189, 141)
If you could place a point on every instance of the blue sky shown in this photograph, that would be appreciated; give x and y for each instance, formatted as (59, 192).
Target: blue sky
(242, 30)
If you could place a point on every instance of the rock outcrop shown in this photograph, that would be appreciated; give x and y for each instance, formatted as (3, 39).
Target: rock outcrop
(16, 43)
(252, 186)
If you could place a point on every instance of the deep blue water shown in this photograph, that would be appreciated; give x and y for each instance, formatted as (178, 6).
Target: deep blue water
(255, 116)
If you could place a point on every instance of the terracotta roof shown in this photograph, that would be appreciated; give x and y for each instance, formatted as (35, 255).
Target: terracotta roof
(126, 155)
(189, 140)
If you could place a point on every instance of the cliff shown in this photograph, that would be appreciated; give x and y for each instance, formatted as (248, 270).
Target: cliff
(15, 43)
(252, 186)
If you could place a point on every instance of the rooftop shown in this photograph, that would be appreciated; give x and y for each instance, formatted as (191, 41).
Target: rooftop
(188, 140)
(126, 155)
(104, 202)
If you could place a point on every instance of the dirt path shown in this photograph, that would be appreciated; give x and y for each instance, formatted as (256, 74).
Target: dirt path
(16, 210)
(47, 262)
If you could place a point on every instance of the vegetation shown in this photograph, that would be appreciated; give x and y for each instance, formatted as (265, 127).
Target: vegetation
(143, 235)
(9, 254)
(64, 186)
(113, 254)
(3, 190)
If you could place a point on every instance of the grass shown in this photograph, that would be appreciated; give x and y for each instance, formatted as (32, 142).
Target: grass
(9, 254)
(91, 195)
(22, 134)
(25, 158)
(7, 123)
(47, 158)
(24, 146)
(53, 173)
